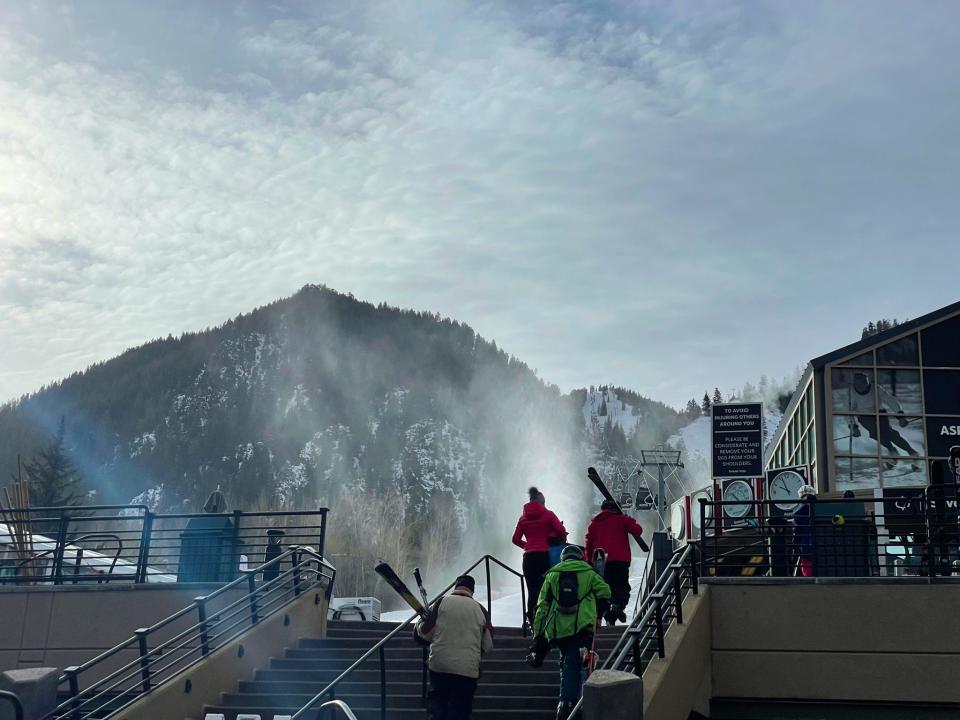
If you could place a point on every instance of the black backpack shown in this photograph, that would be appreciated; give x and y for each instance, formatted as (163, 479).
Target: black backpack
(568, 592)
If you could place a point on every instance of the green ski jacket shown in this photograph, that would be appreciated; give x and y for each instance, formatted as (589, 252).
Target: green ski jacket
(555, 625)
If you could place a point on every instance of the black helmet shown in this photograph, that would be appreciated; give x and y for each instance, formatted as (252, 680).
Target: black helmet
(572, 552)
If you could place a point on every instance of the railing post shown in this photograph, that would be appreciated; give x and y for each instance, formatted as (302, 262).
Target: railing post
(523, 607)
(678, 595)
(252, 587)
(58, 552)
(658, 617)
(383, 683)
(141, 634)
(296, 571)
(74, 685)
(143, 557)
(695, 569)
(77, 564)
(323, 532)
(486, 559)
(235, 563)
(201, 603)
(637, 658)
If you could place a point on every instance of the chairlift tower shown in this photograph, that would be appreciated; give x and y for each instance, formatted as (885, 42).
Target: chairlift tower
(667, 462)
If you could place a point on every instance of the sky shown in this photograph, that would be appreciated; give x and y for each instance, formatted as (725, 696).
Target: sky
(665, 196)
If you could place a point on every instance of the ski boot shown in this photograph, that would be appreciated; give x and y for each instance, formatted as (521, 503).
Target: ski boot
(564, 709)
(613, 614)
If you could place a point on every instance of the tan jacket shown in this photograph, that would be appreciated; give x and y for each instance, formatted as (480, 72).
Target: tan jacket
(459, 632)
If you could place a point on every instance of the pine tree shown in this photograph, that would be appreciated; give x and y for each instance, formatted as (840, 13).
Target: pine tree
(705, 404)
(603, 409)
(692, 409)
(54, 481)
(717, 397)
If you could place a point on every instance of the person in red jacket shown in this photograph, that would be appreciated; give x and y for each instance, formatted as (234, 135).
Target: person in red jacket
(534, 529)
(610, 530)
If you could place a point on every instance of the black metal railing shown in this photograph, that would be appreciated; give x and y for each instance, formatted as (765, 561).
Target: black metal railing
(155, 655)
(904, 535)
(329, 692)
(644, 638)
(129, 543)
(14, 702)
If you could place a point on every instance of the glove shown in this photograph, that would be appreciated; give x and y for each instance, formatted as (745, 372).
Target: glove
(538, 651)
(603, 607)
(902, 420)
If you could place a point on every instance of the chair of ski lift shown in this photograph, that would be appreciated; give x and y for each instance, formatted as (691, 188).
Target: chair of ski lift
(625, 500)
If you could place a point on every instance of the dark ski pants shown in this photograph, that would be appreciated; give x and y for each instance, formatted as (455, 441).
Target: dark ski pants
(571, 668)
(535, 566)
(450, 696)
(616, 573)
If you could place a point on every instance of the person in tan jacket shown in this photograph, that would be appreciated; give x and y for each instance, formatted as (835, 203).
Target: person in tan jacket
(459, 632)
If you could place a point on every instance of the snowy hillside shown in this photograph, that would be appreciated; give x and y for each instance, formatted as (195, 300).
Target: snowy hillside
(603, 405)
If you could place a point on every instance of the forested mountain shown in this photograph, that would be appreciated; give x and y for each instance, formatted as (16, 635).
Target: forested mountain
(414, 429)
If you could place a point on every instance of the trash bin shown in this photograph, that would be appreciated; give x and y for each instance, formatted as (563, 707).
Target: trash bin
(209, 551)
(273, 549)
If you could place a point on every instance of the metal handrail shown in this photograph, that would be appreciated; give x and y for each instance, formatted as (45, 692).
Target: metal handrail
(80, 549)
(380, 647)
(341, 706)
(668, 587)
(17, 706)
(153, 543)
(128, 683)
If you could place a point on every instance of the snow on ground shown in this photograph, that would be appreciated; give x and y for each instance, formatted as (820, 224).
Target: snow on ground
(506, 608)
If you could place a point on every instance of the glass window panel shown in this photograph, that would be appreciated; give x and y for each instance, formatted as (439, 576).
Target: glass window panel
(852, 434)
(856, 474)
(852, 391)
(940, 346)
(899, 391)
(899, 352)
(904, 473)
(901, 436)
(941, 391)
(865, 359)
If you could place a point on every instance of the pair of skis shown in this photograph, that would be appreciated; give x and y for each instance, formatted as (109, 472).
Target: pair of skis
(607, 495)
(393, 580)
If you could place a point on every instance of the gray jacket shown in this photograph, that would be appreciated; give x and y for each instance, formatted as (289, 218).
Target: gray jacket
(458, 629)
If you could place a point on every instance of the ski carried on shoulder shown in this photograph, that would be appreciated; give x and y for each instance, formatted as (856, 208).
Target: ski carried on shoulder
(602, 487)
(607, 495)
(423, 592)
(394, 581)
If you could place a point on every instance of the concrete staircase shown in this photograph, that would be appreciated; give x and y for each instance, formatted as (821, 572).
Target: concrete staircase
(508, 687)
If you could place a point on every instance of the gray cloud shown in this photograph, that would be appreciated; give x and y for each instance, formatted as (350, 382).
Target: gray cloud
(667, 197)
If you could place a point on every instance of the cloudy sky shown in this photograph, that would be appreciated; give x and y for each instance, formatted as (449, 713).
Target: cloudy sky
(665, 196)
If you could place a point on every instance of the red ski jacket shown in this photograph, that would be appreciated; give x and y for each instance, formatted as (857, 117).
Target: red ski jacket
(537, 524)
(611, 530)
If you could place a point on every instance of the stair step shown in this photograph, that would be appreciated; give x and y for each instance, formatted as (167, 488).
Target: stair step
(354, 686)
(526, 675)
(394, 700)
(373, 713)
(395, 664)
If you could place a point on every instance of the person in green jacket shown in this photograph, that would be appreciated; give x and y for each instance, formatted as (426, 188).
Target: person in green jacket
(571, 597)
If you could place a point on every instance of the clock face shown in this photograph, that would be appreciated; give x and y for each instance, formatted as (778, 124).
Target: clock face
(737, 491)
(784, 489)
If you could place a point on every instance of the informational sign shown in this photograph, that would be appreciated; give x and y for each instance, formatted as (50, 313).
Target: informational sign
(737, 440)
(942, 434)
